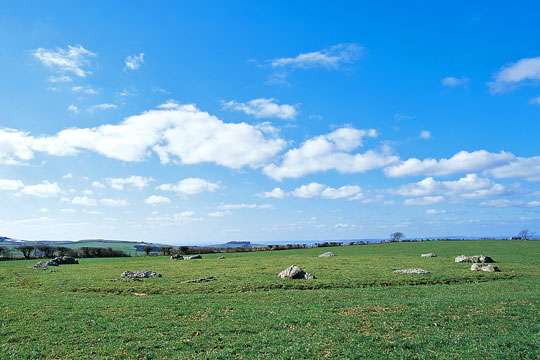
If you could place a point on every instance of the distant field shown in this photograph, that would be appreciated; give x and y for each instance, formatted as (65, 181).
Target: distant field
(356, 308)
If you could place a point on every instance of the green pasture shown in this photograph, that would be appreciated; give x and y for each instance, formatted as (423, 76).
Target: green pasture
(356, 308)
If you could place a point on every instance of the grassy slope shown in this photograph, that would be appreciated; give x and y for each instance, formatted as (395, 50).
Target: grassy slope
(356, 308)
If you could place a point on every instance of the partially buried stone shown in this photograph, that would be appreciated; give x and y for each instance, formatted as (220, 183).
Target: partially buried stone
(140, 274)
(193, 257)
(294, 272)
(411, 271)
(484, 267)
(177, 257)
(327, 254)
(474, 259)
(429, 255)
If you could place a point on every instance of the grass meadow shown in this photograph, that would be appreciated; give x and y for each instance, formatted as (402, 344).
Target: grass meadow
(356, 308)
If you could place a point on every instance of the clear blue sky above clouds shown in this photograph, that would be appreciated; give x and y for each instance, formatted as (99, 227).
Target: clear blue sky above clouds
(205, 122)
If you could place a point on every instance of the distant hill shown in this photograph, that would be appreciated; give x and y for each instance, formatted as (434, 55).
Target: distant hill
(235, 244)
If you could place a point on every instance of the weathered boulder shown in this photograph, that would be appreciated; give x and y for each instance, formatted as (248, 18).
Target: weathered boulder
(429, 255)
(294, 272)
(140, 274)
(411, 271)
(474, 259)
(327, 254)
(193, 257)
(177, 257)
(484, 267)
(65, 260)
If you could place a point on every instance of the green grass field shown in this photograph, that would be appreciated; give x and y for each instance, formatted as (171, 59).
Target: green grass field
(355, 309)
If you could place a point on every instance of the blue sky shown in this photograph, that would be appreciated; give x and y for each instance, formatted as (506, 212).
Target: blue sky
(189, 123)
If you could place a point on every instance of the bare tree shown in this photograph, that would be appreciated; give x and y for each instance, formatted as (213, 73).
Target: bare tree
(526, 234)
(396, 237)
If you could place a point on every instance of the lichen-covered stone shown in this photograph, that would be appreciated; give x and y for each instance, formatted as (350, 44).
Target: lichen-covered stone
(429, 255)
(294, 272)
(411, 271)
(484, 267)
(327, 254)
(140, 274)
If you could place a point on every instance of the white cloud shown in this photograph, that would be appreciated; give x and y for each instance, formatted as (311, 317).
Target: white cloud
(501, 203)
(44, 210)
(10, 185)
(114, 202)
(330, 152)
(156, 199)
(426, 200)
(68, 211)
(461, 162)
(73, 59)
(72, 108)
(316, 190)
(424, 134)
(520, 73)
(98, 185)
(451, 81)
(92, 212)
(89, 91)
(275, 193)
(68, 176)
(175, 219)
(403, 116)
(329, 58)
(435, 211)
(470, 186)
(263, 108)
(182, 131)
(84, 201)
(220, 213)
(526, 168)
(139, 182)
(190, 186)
(245, 206)
(535, 101)
(60, 79)
(93, 108)
(43, 190)
(533, 204)
(88, 192)
(133, 62)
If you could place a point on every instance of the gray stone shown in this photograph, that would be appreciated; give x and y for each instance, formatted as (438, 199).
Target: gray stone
(429, 255)
(177, 257)
(193, 257)
(294, 272)
(51, 263)
(474, 259)
(221, 257)
(65, 260)
(411, 271)
(140, 274)
(484, 267)
(327, 254)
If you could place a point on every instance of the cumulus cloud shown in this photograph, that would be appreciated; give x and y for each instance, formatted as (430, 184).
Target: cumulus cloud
(451, 81)
(275, 193)
(10, 185)
(426, 200)
(84, 201)
(525, 168)
(98, 185)
(73, 109)
(59, 79)
(245, 206)
(263, 108)
(114, 202)
(73, 59)
(139, 182)
(424, 134)
(469, 187)
(330, 152)
(329, 58)
(463, 161)
(517, 74)
(68, 176)
(535, 101)
(435, 211)
(156, 199)
(316, 190)
(501, 203)
(80, 89)
(43, 190)
(133, 62)
(190, 186)
(220, 213)
(175, 219)
(180, 131)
